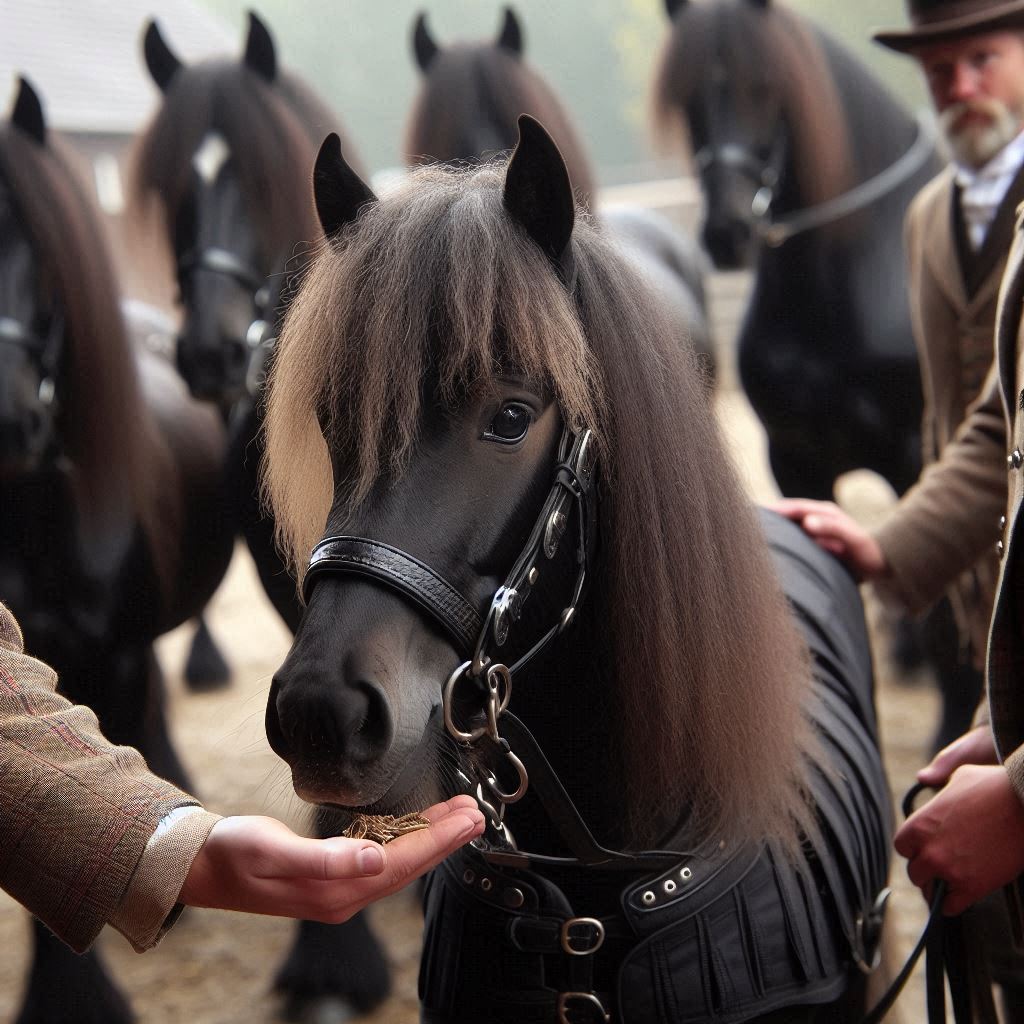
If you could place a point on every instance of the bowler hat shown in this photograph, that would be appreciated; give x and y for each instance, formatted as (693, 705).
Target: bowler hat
(934, 20)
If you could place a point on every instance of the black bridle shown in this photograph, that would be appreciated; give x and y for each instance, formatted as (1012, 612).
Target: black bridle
(261, 335)
(45, 351)
(478, 638)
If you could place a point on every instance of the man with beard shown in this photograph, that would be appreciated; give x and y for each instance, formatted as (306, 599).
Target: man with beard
(943, 534)
(958, 235)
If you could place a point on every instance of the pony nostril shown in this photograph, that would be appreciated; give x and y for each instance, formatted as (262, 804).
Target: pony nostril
(352, 723)
(376, 730)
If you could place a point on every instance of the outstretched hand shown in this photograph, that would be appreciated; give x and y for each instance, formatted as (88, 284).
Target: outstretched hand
(838, 533)
(261, 866)
(971, 835)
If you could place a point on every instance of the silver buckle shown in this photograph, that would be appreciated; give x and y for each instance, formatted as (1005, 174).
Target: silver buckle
(595, 933)
(590, 1002)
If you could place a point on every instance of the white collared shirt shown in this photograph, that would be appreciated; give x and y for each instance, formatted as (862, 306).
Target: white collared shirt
(982, 189)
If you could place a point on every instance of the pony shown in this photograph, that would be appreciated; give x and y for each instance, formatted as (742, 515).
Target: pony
(111, 520)
(662, 702)
(220, 167)
(807, 165)
(470, 97)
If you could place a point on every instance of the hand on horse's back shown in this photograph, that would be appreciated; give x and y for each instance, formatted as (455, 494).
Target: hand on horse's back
(838, 533)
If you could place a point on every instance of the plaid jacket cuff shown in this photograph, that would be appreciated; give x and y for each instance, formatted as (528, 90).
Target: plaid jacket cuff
(150, 905)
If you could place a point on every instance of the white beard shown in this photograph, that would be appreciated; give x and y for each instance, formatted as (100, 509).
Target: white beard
(974, 145)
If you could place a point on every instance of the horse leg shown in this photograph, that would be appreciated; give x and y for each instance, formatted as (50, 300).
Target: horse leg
(206, 669)
(336, 969)
(63, 986)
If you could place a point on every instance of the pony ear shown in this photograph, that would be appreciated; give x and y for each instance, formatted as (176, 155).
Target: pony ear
(163, 65)
(511, 37)
(539, 195)
(672, 7)
(28, 112)
(339, 193)
(259, 49)
(422, 43)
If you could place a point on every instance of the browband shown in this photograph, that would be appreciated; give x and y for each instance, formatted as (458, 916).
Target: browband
(409, 576)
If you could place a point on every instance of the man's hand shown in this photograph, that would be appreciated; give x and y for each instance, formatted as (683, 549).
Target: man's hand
(971, 835)
(258, 865)
(838, 533)
(975, 747)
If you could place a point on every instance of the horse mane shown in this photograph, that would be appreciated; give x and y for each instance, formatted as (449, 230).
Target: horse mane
(709, 674)
(476, 91)
(273, 129)
(767, 48)
(105, 425)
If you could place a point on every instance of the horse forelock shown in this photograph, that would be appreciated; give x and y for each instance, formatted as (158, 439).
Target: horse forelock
(757, 48)
(106, 429)
(436, 281)
(469, 104)
(267, 130)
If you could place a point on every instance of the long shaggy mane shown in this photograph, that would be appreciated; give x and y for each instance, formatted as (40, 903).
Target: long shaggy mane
(468, 108)
(106, 428)
(436, 282)
(769, 53)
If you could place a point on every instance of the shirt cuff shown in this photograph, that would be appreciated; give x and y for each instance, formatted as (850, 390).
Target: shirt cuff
(150, 905)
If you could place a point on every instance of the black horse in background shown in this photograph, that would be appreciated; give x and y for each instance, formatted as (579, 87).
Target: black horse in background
(471, 95)
(111, 525)
(807, 165)
(225, 164)
(663, 702)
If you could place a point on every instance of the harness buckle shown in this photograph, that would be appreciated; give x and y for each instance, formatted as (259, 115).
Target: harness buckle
(579, 930)
(586, 1001)
(867, 948)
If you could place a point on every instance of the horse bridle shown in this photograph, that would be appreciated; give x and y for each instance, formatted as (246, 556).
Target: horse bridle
(473, 635)
(45, 352)
(479, 638)
(766, 176)
(261, 335)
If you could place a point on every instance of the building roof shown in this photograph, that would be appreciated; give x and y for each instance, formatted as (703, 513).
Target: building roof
(84, 57)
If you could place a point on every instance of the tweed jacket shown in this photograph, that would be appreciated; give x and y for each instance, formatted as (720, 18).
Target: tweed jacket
(971, 499)
(78, 815)
(953, 293)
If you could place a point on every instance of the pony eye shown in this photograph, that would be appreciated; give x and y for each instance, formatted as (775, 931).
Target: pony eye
(510, 424)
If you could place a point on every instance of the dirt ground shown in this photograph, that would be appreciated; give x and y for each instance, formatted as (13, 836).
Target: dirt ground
(216, 968)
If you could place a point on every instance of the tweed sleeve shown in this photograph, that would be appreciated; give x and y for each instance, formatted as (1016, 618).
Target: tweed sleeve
(76, 812)
(150, 905)
(950, 518)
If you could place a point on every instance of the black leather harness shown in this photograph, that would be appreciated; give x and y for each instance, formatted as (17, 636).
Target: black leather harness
(710, 936)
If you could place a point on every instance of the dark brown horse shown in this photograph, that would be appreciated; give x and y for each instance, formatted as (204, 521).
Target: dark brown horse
(523, 491)
(111, 530)
(471, 95)
(225, 163)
